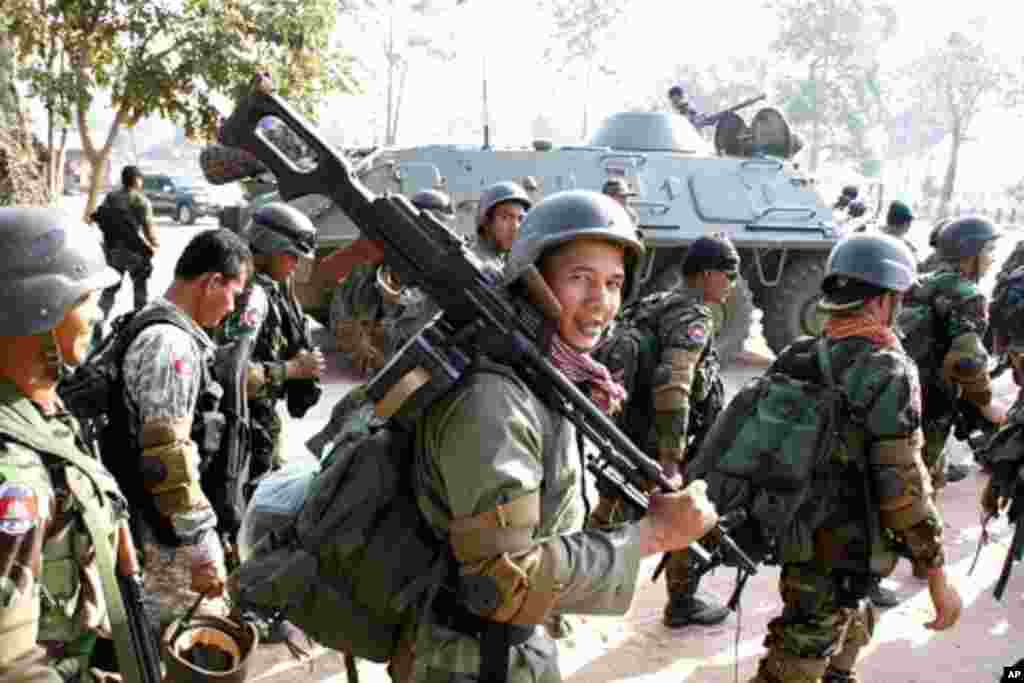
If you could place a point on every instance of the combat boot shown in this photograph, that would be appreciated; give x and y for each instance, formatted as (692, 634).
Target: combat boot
(780, 667)
(685, 608)
(837, 676)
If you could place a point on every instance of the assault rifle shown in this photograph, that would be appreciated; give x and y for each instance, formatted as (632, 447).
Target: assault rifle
(478, 316)
(145, 664)
(228, 474)
(714, 118)
(1016, 517)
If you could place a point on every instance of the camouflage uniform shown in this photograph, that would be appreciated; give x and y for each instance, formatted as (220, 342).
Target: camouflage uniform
(527, 470)
(489, 254)
(50, 587)
(962, 314)
(169, 394)
(138, 266)
(266, 310)
(360, 315)
(824, 578)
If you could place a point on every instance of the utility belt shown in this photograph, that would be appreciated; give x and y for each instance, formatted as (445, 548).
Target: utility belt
(496, 638)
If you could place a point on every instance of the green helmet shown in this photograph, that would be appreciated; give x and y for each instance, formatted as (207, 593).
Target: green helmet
(52, 261)
(711, 252)
(433, 200)
(965, 237)
(565, 216)
(879, 261)
(277, 227)
(496, 194)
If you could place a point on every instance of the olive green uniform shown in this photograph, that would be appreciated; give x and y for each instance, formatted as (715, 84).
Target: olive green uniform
(827, 572)
(491, 455)
(122, 257)
(51, 592)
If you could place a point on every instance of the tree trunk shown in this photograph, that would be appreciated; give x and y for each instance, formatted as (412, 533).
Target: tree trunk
(98, 158)
(949, 182)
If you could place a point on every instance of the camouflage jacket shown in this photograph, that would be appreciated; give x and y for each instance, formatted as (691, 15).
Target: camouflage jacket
(50, 587)
(268, 311)
(166, 375)
(682, 376)
(489, 442)
(961, 320)
(882, 389)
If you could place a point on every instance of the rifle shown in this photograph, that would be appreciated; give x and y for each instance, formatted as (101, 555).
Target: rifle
(228, 473)
(478, 315)
(1016, 517)
(971, 426)
(143, 638)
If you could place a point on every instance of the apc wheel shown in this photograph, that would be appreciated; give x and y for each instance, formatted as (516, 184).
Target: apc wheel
(185, 215)
(791, 307)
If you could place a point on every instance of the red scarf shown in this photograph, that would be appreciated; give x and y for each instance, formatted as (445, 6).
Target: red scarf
(579, 367)
(840, 327)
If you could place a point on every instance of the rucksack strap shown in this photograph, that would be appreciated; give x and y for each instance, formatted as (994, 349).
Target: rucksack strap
(825, 362)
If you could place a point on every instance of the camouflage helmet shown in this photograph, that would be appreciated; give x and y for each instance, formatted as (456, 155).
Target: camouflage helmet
(1006, 312)
(573, 214)
(711, 252)
(965, 237)
(879, 261)
(496, 194)
(52, 261)
(277, 227)
(433, 200)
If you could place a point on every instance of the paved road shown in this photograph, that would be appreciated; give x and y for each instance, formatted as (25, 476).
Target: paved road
(638, 648)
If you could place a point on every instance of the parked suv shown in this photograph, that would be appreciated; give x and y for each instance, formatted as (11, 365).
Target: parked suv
(184, 198)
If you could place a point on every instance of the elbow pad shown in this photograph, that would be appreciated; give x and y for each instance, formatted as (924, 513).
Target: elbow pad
(904, 487)
(170, 466)
(505, 574)
(966, 366)
(673, 379)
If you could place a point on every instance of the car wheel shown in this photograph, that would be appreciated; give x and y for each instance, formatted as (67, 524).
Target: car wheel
(185, 215)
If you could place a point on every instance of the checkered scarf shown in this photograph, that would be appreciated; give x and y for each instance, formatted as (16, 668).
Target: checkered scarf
(579, 367)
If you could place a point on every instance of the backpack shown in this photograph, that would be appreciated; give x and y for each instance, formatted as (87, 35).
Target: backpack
(921, 328)
(344, 553)
(772, 454)
(94, 394)
(119, 229)
(631, 353)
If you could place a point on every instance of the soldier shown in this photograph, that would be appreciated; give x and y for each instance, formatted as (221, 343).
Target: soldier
(847, 195)
(619, 190)
(372, 313)
(501, 209)
(898, 220)
(270, 315)
(684, 391)
(933, 260)
(135, 258)
(495, 454)
(677, 98)
(171, 401)
(51, 282)
(824, 622)
(953, 366)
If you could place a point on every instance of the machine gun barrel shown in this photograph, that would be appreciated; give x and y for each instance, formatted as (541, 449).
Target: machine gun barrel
(424, 251)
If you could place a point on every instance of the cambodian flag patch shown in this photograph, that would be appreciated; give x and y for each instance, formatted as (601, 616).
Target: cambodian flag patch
(19, 509)
(697, 333)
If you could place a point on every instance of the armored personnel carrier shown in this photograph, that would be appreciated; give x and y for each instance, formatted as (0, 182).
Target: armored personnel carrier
(744, 184)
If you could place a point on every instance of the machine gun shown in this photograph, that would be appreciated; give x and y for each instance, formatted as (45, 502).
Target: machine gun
(479, 317)
(1015, 515)
(718, 116)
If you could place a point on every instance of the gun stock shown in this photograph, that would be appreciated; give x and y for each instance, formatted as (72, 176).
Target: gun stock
(1016, 552)
(425, 252)
(144, 647)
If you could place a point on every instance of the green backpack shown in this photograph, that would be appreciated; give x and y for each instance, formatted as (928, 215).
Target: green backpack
(350, 559)
(774, 450)
(920, 326)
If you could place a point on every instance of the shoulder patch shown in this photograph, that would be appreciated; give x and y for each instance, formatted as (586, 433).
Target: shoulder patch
(697, 333)
(20, 509)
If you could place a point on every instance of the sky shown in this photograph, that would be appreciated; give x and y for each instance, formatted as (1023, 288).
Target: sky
(506, 39)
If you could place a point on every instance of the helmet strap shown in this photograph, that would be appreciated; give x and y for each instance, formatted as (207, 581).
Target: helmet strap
(53, 360)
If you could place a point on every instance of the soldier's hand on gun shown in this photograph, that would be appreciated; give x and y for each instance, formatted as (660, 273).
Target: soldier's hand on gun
(945, 599)
(307, 365)
(209, 572)
(677, 519)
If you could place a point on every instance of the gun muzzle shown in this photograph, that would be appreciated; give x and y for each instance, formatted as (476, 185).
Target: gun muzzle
(222, 164)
